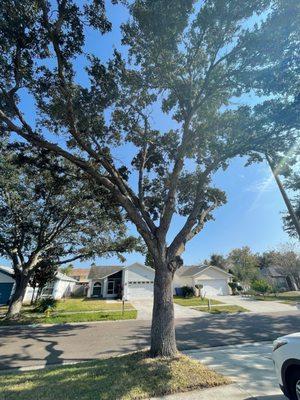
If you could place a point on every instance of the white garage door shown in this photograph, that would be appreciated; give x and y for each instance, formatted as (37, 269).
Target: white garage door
(214, 287)
(140, 290)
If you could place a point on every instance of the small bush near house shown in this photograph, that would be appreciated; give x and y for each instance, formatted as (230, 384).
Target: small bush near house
(45, 304)
(261, 286)
(235, 287)
(187, 291)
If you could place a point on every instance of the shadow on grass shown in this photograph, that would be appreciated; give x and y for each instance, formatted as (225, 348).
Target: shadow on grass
(128, 377)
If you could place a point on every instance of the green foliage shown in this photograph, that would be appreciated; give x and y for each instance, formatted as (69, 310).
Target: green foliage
(67, 269)
(191, 61)
(187, 291)
(44, 273)
(261, 286)
(149, 260)
(218, 260)
(45, 304)
(244, 264)
(47, 210)
(235, 287)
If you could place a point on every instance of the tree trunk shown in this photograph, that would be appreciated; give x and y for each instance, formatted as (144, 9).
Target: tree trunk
(285, 197)
(163, 342)
(291, 283)
(15, 304)
(32, 297)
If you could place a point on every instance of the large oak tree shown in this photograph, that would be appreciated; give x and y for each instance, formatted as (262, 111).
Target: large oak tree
(188, 58)
(49, 216)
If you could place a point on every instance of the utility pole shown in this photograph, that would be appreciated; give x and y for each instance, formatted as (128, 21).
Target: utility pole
(288, 204)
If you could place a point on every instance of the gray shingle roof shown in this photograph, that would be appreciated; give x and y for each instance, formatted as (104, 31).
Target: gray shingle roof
(191, 270)
(100, 272)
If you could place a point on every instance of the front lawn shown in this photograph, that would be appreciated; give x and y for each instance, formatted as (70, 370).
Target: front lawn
(85, 304)
(286, 297)
(193, 301)
(222, 309)
(128, 377)
(75, 310)
(57, 318)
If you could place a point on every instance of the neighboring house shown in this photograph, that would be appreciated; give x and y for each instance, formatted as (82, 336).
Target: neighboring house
(213, 279)
(113, 281)
(80, 275)
(62, 286)
(275, 277)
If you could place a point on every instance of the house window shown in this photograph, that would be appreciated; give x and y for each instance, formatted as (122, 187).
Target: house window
(111, 287)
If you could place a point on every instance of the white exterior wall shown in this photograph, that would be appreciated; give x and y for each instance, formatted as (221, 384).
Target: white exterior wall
(214, 282)
(139, 282)
(28, 294)
(62, 288)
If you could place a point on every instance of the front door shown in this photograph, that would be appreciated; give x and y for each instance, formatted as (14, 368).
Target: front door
(97, 289)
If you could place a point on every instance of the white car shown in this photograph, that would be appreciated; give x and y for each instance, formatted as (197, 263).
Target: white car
(286, 357)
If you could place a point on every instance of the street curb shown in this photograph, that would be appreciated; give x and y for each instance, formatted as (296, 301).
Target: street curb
(64, 324)
(211, 349)
(227, 347)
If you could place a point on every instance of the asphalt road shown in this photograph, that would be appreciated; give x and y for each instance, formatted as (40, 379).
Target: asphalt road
(35, 346)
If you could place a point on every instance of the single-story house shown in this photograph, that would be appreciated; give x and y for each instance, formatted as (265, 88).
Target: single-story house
(112, 281)
(136, 281)
(62, 286)
(214, 280)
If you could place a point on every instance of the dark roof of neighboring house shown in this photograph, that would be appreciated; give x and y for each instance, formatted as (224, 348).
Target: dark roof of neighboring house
(79, 272)
(271, 271)
(100, 272)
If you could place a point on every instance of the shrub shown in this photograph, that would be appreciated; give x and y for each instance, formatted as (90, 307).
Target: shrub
(187, 291)
(45, 304)
(235, 287)
(261, 286)
(198, 292)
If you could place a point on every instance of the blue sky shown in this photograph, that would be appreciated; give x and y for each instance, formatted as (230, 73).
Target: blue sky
(252, 215)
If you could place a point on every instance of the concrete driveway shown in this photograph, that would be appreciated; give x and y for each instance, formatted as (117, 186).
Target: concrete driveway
(144, 308)
(249, 366)
(256, 306)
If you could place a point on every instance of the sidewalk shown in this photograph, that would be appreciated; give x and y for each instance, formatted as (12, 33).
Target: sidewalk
(250, 368)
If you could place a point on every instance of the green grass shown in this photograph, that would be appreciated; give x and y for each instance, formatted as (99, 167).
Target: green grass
(84, 304)
(75, 310)
(223, 309)
(285, 297)
(193, 301)
(28, 319)
(129, 377)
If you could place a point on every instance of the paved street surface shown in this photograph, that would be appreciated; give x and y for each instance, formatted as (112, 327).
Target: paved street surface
(41, 345)
(250, 368)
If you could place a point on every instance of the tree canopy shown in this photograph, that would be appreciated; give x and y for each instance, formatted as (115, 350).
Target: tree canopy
(190, 60)
(46, 213)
